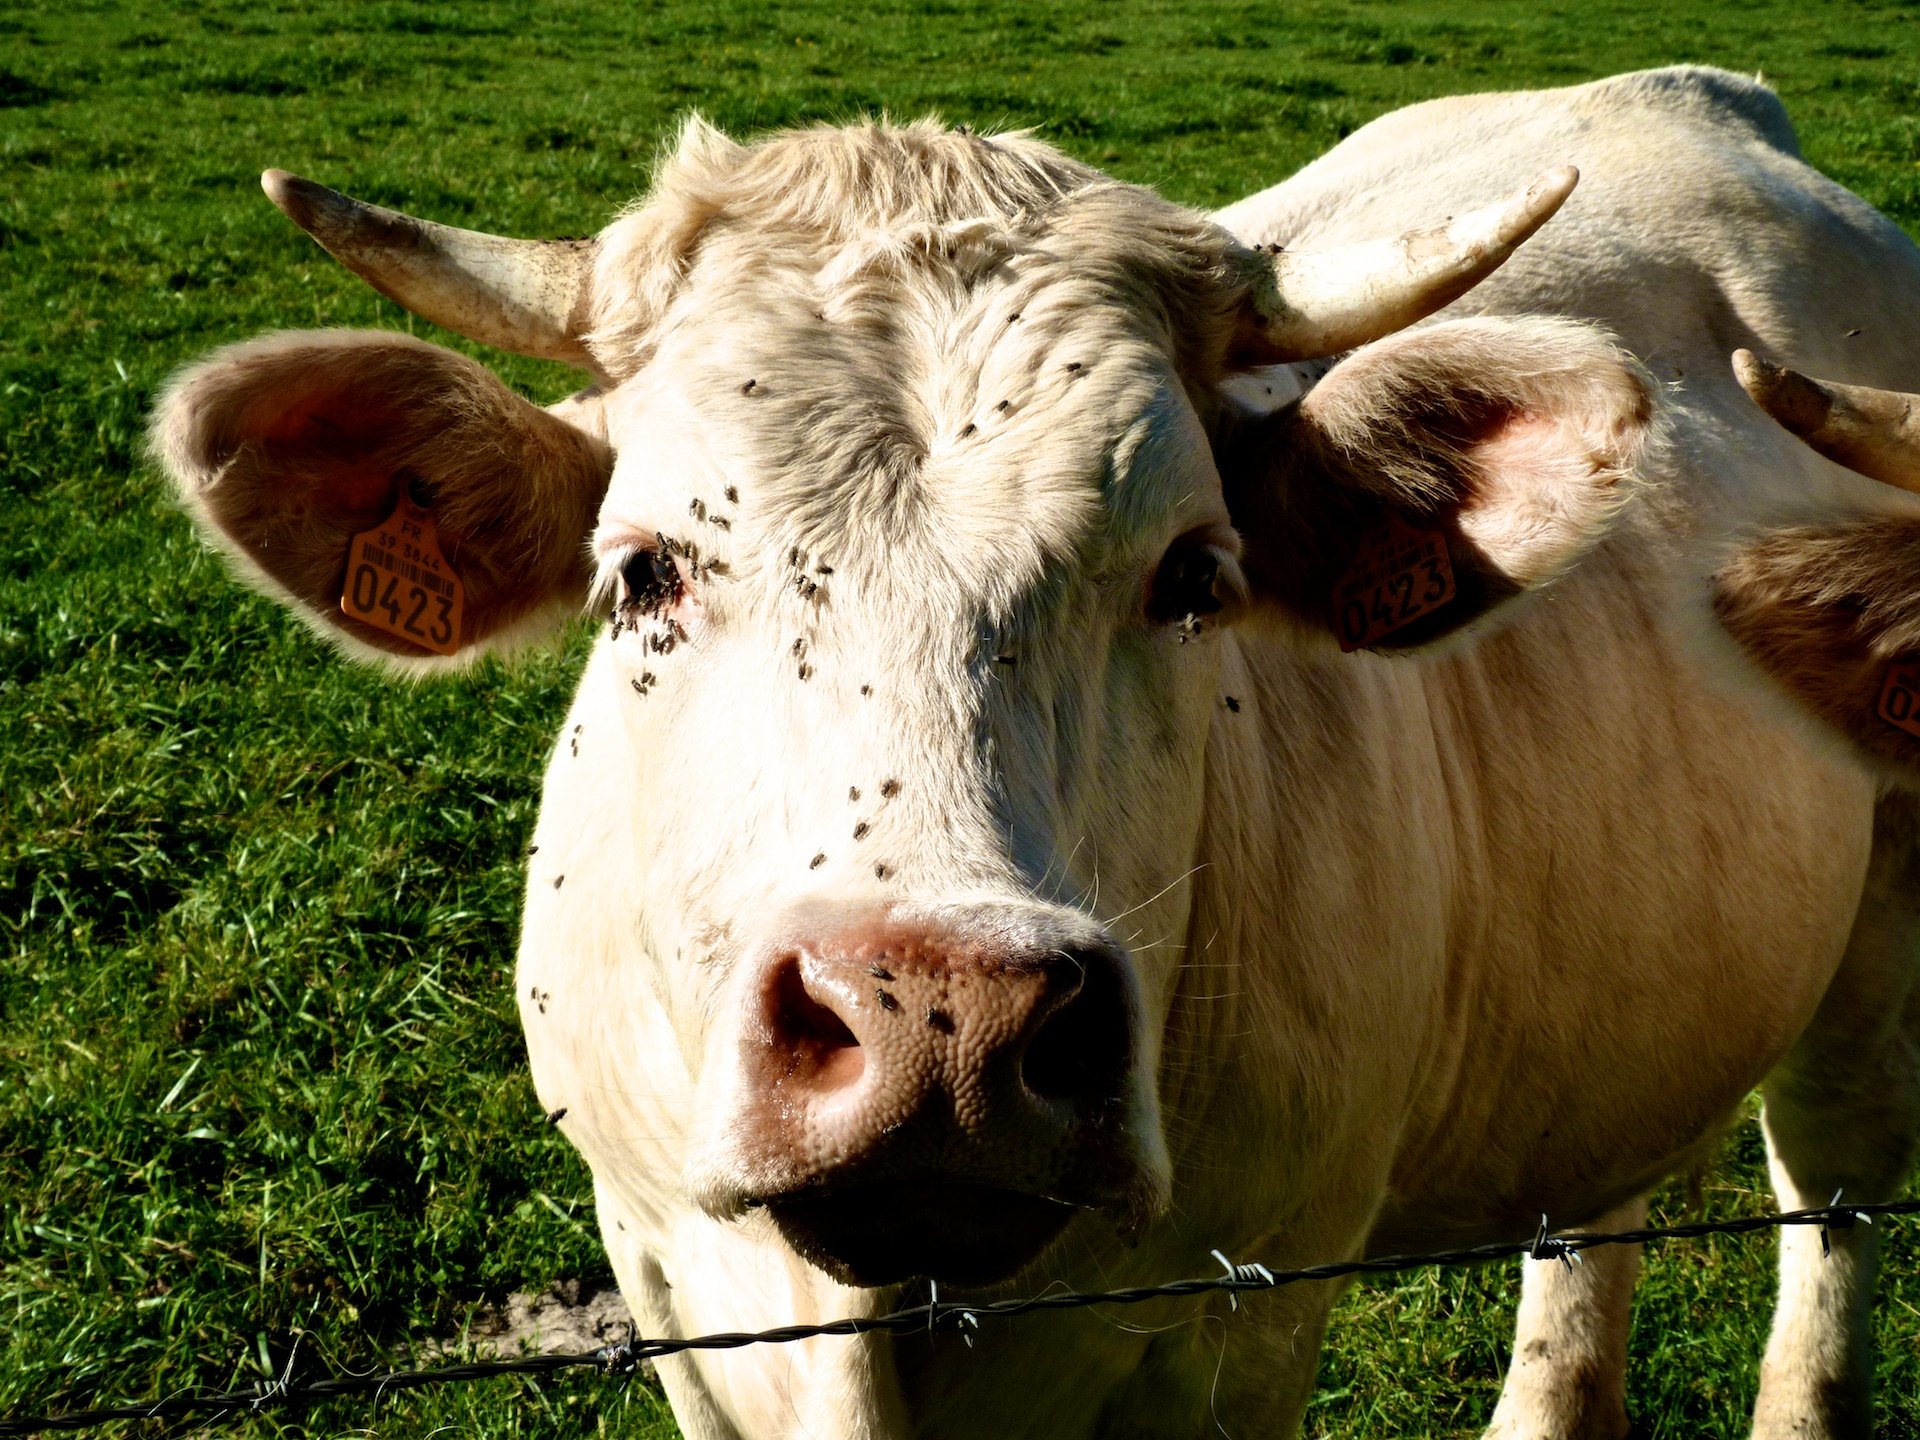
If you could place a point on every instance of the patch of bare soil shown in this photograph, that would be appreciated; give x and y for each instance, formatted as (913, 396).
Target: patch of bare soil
(568, 1316)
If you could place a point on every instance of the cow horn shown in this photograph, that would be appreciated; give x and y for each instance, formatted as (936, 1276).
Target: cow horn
(1876, 432)
(1326, 302)
(519, 295)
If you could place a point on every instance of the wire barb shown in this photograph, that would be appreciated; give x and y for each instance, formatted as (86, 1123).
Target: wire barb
(618, 1358)
(1837, 1218)
(953, 1317)
(1243, 1277)
(1552, 1247)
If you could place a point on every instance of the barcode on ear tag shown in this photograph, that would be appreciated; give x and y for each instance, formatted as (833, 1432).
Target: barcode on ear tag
(1900, 696)
(1398, 574)
(399, 582)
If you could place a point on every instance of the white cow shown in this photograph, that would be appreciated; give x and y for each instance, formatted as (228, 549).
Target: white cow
(970, 855)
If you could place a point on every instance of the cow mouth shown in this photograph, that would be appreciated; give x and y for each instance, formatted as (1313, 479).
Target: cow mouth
(884, 1232)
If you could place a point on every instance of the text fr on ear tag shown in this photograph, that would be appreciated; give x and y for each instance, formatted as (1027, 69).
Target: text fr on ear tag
(1399, 573)
(399, 582)
(1900, 696)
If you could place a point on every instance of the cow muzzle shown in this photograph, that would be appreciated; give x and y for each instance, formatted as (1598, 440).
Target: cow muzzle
(919, 1102)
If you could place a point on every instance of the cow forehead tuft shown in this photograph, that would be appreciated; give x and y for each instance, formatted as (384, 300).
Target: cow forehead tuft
(841, 182)
(833, 202)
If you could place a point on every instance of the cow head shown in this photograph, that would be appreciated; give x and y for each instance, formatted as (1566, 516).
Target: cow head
(1826, 606)
(919, 525)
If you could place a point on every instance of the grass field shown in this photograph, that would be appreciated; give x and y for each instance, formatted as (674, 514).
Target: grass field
(260, 1075)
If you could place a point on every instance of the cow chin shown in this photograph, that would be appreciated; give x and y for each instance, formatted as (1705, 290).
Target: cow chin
(886, 1232)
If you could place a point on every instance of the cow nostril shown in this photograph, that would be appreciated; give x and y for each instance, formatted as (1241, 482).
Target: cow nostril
(817, 1042)
(1079, 1054)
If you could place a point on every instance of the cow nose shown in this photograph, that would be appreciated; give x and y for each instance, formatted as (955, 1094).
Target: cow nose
(922, 1103)
(889, 1028)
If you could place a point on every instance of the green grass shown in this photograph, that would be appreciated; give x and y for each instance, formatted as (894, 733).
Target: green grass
(260, 1076)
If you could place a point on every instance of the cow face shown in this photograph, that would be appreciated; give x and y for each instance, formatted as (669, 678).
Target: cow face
(899, 498)
(969, 564)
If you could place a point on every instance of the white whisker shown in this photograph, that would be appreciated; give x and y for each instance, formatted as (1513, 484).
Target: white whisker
(1178, 879)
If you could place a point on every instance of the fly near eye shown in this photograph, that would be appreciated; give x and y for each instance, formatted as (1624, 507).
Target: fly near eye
(649, 580)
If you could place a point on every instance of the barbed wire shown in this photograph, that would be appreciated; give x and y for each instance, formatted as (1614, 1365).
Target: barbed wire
(951, 1316)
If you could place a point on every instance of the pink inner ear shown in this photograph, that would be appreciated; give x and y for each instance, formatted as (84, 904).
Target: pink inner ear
(364, 490)
(1520, 440)
(1538, 494)
(345, 435)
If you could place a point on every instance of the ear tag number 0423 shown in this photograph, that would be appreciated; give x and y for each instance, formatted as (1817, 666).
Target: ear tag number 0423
(1399, 574)
(400, 583)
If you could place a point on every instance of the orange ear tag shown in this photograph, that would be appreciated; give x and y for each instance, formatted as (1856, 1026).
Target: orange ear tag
(1399, 574)
(399, 582)
(1900, 696)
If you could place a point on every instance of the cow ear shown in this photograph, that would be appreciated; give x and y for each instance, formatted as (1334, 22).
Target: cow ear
(1433, 476)
(288, 447)
(1831, 613)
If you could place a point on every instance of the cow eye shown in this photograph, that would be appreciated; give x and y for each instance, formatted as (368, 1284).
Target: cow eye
(1187, 586)
(649, 580)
